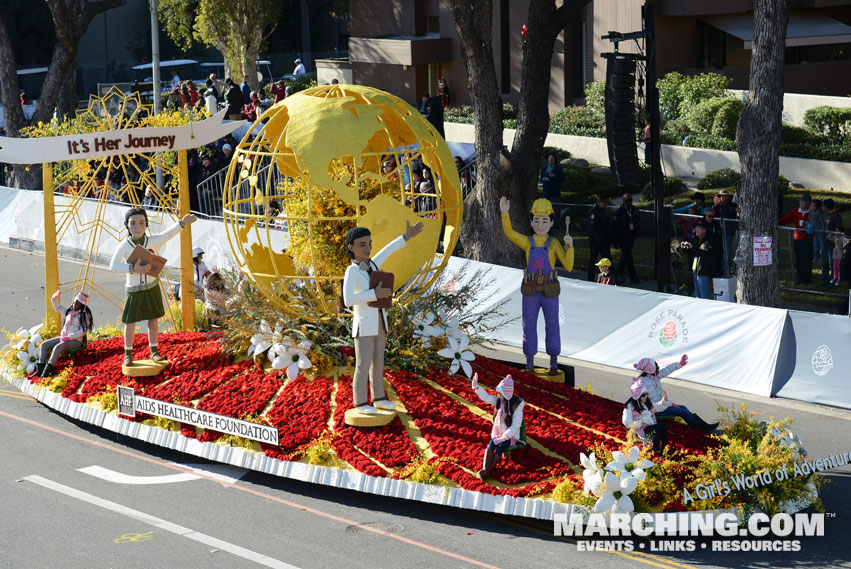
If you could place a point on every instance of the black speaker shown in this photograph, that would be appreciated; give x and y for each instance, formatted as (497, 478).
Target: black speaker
(620, 120)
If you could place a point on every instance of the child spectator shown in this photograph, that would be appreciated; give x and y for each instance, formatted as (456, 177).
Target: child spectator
(605, 276)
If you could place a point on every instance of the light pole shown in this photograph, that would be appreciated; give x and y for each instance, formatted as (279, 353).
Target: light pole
(155, 67)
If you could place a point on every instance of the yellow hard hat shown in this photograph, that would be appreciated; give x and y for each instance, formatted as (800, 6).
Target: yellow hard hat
(542, 207)
(604, 262)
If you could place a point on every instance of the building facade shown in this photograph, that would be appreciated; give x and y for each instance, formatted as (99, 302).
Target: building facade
(406, 46)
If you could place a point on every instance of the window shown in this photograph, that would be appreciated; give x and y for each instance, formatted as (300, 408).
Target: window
(711, 47)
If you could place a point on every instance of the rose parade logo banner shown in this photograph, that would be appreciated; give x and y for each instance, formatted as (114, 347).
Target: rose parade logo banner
(711, 333)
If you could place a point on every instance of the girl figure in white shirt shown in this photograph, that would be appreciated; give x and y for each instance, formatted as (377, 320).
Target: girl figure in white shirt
(76, 324)
(651, 377)
(143, 299)
(640, 413)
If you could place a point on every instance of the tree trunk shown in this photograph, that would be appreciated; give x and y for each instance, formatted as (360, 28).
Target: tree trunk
(9, 86)
(758, 141)
(482, 223)
(66, 105)
(544, 22)
(481, 229)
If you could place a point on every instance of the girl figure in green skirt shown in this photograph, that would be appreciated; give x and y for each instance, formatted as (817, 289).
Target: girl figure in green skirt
(143, 300)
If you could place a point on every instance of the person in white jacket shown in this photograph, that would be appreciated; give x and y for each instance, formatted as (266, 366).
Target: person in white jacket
(507, 420)
(650, 378)
(639, 413)
(143, 299)
(369, 324)
(76, 323)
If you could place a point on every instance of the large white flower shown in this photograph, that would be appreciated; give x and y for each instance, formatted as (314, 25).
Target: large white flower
(614, 494)
(264, 339)
(461, 356)
(445, 326)
(593, 474)
(28, 358)
(629, 463)
(22, 336)
(424, 330)
(291, 356)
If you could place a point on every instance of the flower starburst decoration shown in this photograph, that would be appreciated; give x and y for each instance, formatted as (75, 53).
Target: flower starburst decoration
(291, 356)
(630, 463)
(459, 354)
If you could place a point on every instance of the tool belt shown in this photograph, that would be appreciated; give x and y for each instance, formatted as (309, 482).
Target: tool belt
(534, 283)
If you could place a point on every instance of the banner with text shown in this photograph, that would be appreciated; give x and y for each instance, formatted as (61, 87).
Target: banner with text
(115, 142)
(129, 404)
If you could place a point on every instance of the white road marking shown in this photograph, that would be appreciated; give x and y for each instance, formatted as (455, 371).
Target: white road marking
(227, 475)
(121, 478)
(160, 523)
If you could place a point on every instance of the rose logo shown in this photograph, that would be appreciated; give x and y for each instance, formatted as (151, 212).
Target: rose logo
(822, 361)
(668, 335)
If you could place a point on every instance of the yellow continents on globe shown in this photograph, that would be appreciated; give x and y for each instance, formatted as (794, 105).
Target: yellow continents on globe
(323, 161)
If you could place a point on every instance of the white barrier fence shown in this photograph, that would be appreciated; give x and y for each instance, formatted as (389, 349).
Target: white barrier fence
(762, 351)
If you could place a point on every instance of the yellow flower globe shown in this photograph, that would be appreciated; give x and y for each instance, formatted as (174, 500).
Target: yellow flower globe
(323, 161)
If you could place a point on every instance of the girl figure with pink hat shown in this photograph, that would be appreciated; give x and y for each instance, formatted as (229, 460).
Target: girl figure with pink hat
(640, 413)
(507, 419)
(77, 322)
(650, 379)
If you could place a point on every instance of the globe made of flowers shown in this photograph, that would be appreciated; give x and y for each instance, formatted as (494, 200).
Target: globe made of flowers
(321, 162)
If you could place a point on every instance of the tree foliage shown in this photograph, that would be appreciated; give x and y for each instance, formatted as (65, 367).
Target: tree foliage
(236, 28)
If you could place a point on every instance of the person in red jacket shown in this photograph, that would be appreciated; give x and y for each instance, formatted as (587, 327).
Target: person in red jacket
(803, 241)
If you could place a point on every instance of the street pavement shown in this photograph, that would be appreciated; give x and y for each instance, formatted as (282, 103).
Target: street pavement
(76, 496)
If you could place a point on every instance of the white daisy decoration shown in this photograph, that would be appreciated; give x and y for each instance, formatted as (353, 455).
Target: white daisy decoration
(629, 463)
(28, 358)
(460, 355)
(614, 494)
(593, 474)
(291, 356)
(264, 339)
(424, 329)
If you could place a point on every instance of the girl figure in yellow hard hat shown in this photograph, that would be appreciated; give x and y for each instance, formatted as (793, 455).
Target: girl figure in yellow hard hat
(540, 287)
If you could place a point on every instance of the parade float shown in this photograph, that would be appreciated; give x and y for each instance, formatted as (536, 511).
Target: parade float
(268, 386)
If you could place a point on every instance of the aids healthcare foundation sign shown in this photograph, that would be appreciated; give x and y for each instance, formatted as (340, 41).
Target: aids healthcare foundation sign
(129, 404)
(115, 142)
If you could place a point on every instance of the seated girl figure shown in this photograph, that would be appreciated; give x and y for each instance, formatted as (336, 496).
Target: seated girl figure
(639, 413)
(76, 323)
(650, 378)
(143, 299)
(507, 420)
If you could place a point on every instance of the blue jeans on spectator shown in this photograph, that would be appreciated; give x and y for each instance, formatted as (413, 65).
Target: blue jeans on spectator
(703, 287)
(680, 411)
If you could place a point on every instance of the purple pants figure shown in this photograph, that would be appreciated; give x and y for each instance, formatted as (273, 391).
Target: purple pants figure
(539, 262)
(531, 306)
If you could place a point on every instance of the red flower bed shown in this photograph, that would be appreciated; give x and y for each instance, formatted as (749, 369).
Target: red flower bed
(453, 431)
(200, 371)
(300, 413)
(388, 445)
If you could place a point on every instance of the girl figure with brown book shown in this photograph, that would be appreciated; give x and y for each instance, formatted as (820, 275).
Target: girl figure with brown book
(143, 299)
